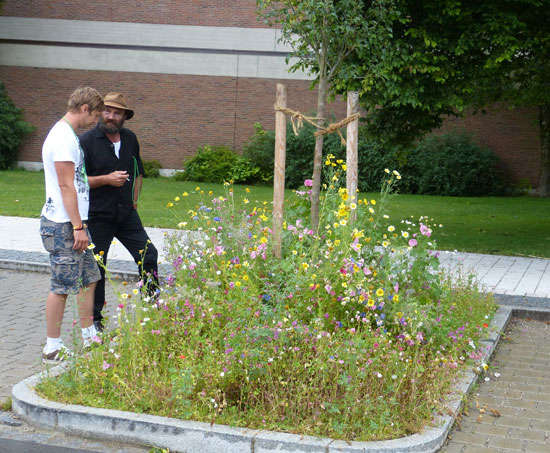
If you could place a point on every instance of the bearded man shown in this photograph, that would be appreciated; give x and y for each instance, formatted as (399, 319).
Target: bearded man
(115, 174)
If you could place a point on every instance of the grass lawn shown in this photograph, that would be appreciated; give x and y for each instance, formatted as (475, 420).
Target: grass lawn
(498, 225)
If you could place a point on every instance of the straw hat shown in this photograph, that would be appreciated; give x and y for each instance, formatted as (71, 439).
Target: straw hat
(114, 99)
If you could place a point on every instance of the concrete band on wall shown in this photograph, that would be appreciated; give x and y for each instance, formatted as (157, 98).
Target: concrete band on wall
(147, 48)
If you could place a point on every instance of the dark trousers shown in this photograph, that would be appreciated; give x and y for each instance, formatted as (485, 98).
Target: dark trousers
(132, 235)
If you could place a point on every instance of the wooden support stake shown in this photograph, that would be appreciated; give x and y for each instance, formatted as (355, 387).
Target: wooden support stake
(352, 133)
(279, 176)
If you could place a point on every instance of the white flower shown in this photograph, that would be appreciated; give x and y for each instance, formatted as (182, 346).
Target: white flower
(222, 374)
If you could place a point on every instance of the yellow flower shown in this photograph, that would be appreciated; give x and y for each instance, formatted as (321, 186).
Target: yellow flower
(238, 284)
(247, 190)
(370, 303)
(373, 202)
(210, 192)
(197, 188)
(245, 278)
(182, 224)
(386, 171)
(405, 234)
(305, 266)
(177, 199)
(135, 291)
(245, 201)
(343, 222)
(170, 204)
(294, 252)
(391, 228)
(385, 244)
(184, 194)
(371, 210)
(344, 167)
(353, 206)
(379, 292)
(395, 298)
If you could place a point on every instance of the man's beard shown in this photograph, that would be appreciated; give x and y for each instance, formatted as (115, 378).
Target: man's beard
(111, 127)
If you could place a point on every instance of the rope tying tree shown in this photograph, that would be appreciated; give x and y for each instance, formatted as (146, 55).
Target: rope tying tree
(297, 120)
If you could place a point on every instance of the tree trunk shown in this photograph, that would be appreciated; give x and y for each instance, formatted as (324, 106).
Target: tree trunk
(318, 154)
(544, 178)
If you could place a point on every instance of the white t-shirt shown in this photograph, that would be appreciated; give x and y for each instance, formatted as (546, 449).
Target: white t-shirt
(61, 145)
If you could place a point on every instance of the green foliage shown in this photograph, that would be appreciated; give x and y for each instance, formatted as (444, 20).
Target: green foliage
(151, 168)
(299, 153)
(218, 164)
(12, 129)
(451, 165)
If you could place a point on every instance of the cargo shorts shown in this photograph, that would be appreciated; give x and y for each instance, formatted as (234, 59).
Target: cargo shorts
(71, 270)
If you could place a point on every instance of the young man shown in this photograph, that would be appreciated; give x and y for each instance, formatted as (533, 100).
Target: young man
(115, 173)
(62, 224)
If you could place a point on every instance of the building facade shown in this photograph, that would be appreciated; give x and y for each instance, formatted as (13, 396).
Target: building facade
(196, 73)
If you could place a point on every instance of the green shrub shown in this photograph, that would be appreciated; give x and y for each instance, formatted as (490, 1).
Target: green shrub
(218, 164)
(451, 165)
(260, 150)
(151, 168)
(12, 129)
(373, 159)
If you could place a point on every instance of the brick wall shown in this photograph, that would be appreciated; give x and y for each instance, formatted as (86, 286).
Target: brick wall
(513, 135)
(174, 114)
(220, 13)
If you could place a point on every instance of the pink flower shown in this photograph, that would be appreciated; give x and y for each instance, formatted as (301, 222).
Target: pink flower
(106, 365)
(413, 242)
(308, 183)
(425, 230)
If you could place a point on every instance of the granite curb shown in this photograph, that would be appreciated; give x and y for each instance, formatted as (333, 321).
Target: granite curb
(189, 436)
(40, 262)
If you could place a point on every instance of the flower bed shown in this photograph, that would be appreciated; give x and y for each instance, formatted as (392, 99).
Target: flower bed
(353, 334)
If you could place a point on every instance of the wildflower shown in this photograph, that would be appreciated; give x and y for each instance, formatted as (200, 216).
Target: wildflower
(124, 296)
(305, 266)
(197, 188)
(170, 204)
(177, 199)
(373, 202)
(380, 292)
(308, 183)
(386, 171)
(247, 190)
(405, 234)
(135, 291)
(413, 242)
(391, 228)
(91, 246)
(106, 365)
(353, 206)
(246, 201)
(385, 244)
(343, 222)
(425, 230)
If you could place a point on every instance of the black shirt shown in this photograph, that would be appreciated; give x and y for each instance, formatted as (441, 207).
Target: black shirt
(107, 202)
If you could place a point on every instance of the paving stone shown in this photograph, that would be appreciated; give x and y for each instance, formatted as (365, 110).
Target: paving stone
(454, 447)
(475, 449)
(506, 444)
(536, 448)
(527, 434)
(492, 430)
(470, 438)
(512, 422)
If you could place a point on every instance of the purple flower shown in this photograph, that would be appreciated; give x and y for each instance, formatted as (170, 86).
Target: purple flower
(413, 242)
(308, 183)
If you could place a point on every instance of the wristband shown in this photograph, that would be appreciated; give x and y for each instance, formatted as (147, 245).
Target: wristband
(79, 227)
